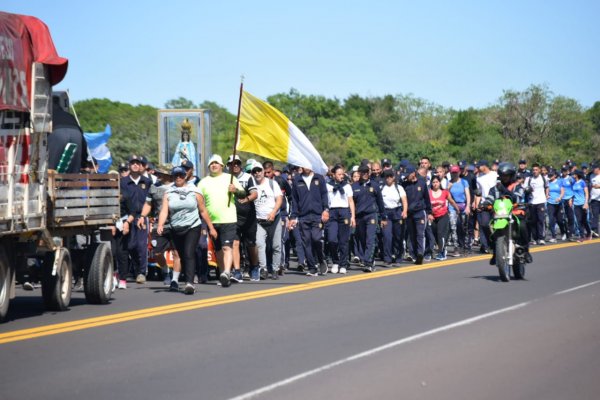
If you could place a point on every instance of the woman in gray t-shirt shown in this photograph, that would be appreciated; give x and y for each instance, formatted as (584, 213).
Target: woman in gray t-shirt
(184, 205)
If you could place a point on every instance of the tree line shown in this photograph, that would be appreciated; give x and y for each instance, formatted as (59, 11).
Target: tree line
(534, 124)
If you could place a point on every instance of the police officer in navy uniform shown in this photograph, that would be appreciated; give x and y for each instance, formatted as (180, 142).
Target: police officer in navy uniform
(419, 207)
(310, 211)
(369, 210)
(133, 241)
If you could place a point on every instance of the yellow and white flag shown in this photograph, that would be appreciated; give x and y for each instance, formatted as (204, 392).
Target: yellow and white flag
(265, 131)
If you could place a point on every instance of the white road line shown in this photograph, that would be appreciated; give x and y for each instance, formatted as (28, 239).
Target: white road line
(295, 378)
(375, 350)
(577, 288)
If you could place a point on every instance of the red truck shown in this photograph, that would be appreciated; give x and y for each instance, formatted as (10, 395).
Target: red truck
(42, 211)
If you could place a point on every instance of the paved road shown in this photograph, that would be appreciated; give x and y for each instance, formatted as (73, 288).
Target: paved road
(444, 330)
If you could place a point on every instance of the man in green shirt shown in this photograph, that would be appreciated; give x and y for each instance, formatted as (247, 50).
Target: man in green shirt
(218, 190)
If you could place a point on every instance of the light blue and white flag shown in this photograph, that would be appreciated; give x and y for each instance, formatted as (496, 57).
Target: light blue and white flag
(98, 149)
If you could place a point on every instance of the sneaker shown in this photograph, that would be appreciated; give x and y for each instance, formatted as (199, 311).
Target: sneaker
(595, 234)
(572, 239)
(455, 253)
(419, 260)
(264, 274)
(141, 278)
(237, 276)
(122, 284)
(335, 268)
(225, 279)
(343, 271)
(440, 257)
(301, 267)
(167, 281)
(553, 240)
(115, 283)
(493, 260)
(355, 259)
(275, 276)
(368, 268)
(78, 284)
(255, 275)
(528, 258)
(174, 286)
(323, 268)
(564, 237)
(28, 286)
(541, 242)
(312, 272)
(280, 271)
(189, 288)
(427, 257)
(409, 258)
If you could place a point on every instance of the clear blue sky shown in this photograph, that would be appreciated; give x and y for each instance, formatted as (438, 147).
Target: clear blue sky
(455, 53)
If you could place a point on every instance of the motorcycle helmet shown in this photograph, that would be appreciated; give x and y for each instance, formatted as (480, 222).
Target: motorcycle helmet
(506, 168)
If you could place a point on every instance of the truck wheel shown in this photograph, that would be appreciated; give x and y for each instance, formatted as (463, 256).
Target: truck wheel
(56, 290)
(99, 276)
(5, 283)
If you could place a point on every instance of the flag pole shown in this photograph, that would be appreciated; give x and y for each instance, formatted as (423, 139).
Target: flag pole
(72, 107)
(237, 131)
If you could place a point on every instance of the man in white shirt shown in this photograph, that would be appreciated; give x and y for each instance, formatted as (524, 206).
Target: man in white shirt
(267, 204)
(485, 181)
(537, 187)
(595, 198)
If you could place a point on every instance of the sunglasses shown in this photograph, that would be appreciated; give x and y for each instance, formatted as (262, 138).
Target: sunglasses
(256, 171)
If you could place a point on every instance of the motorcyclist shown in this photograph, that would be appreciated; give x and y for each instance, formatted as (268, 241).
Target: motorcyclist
(507, 186)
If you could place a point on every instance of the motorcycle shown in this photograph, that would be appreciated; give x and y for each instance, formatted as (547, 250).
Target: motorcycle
(505, 228)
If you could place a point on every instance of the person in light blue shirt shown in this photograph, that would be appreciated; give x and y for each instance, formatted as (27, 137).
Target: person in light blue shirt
(567, 201)
(580, 203)
(556, 193)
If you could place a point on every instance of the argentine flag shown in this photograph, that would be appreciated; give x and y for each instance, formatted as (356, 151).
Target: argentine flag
(98, 149)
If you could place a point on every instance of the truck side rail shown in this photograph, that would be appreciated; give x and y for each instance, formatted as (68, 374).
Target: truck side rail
(78, 200)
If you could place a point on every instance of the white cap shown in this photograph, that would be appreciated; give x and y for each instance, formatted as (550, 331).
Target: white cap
(256, 164)
(215, 158)
(231, 158)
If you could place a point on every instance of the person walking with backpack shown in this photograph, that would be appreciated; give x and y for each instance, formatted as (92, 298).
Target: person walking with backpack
(396, 209)
(537, 189)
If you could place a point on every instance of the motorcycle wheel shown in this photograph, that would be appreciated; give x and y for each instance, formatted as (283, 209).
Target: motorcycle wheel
(501, 251)
(518, 268)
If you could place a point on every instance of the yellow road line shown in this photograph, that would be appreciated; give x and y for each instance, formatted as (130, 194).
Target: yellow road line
(88, 323)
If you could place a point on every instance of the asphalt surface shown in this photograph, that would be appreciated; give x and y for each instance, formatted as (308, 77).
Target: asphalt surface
(447, 330)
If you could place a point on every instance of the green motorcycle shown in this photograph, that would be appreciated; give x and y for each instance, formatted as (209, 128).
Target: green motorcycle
(505, 228)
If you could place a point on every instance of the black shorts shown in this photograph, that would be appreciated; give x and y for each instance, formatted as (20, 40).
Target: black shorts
(161, 243)
(246, 231)
(226, 235)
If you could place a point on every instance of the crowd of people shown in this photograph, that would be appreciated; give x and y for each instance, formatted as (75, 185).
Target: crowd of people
(257, 216)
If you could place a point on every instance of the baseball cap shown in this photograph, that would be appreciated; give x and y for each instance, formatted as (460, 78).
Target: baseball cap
(256, 165)
(144, 160)
(455, 169)
(386, 161)
(522, 161)
(215, 158)
(470, 167)
(178, 171)
(409, 169)
(231, 158)
(482, 162)
(123, 167)
(446, 164)
(150, 166)
(187, 164)
(134, 158)
(388, 173)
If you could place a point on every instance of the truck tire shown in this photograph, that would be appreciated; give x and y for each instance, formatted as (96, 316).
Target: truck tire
(56, 290)
(6, 275)
(99, 276)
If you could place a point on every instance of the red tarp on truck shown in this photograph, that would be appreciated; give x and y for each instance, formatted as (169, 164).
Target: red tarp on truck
(24, 40)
